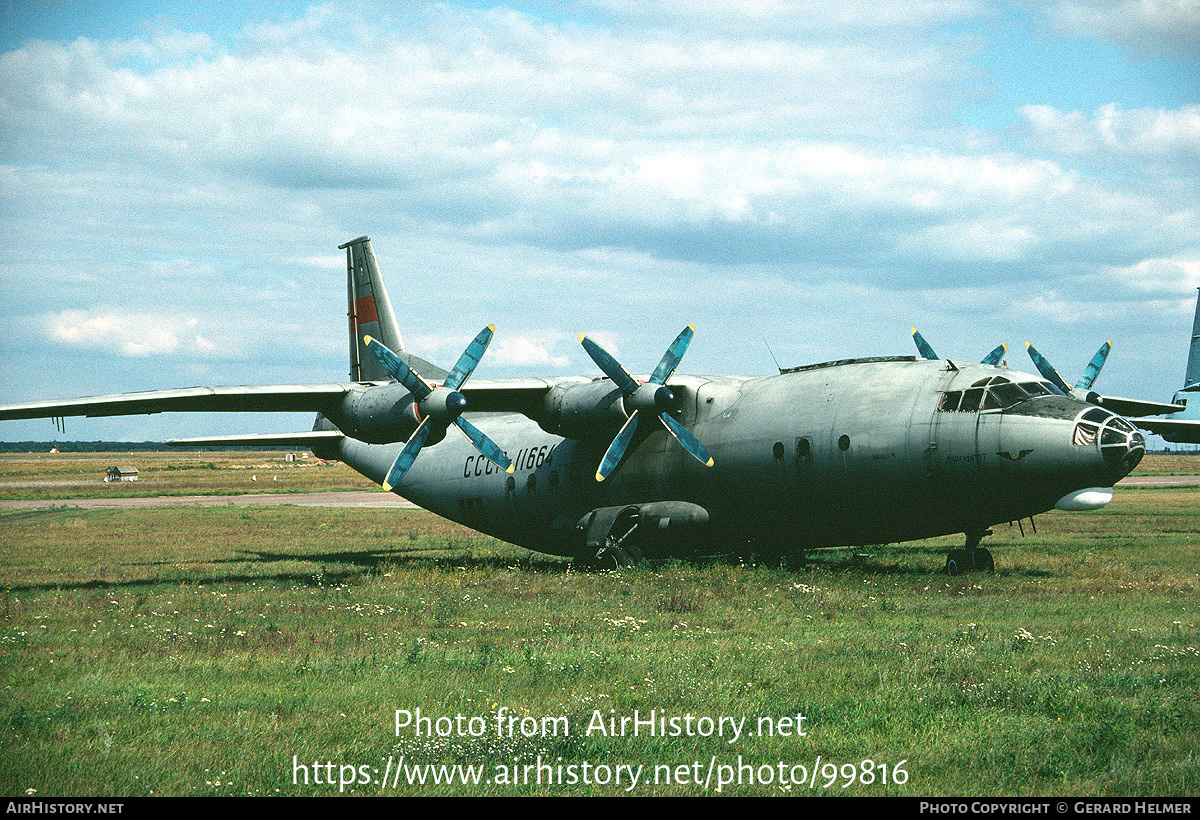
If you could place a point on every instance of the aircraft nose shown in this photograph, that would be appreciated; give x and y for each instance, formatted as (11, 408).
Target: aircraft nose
(1121, 444)
(1122, 447)
(1135, 449)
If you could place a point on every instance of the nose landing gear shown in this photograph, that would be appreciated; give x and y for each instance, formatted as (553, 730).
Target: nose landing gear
(972, 558)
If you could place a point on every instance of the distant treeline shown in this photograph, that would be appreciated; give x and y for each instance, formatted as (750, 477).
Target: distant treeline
(116, 447)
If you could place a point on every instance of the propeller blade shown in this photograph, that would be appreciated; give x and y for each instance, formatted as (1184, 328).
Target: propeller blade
(408, 455)
(1094, 366)
(658, 399)
(685, 437)
(485, 445)
(670, 359)
(1046, 369)
(923, 346)
(616, 450)
(400, 371)
(470, 358)
(609, 365)
(995, 356)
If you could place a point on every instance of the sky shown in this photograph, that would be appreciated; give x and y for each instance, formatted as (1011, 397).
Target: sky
(798, 178)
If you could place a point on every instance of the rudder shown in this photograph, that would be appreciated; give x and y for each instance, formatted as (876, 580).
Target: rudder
(1192, 378)
(369, 311)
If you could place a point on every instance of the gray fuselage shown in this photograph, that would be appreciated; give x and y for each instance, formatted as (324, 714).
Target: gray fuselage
(860, 452)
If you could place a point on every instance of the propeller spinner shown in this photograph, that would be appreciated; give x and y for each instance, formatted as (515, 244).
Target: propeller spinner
(654, 397)
(440, 406)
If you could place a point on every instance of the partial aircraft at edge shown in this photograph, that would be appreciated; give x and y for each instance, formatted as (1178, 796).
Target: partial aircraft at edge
(844, 453)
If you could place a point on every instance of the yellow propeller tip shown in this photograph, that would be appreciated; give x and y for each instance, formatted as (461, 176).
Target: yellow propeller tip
(582, 336)
(710, 463)
(914, 330)
(492, 328)
(367, 340)
(387, 488)
(1027, 345)
(511, 469)
(691, 325)
(599, 477)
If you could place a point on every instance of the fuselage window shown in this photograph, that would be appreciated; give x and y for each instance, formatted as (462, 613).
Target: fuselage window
(777, 450)
(844, 443)
(1085, 434)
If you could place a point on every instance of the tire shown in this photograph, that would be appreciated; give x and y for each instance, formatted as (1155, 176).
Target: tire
(982, 559)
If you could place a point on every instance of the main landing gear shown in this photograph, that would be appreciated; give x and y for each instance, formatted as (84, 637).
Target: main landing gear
(972, 558)
(618, 548)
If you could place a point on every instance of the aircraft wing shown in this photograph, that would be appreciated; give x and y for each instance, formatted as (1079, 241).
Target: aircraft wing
(1180, 431)
(247, 398)
(523, 396)
(1133, 408)
(306, 440)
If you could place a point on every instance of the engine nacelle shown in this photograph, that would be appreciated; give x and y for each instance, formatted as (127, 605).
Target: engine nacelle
(586, 410)
(378, 415)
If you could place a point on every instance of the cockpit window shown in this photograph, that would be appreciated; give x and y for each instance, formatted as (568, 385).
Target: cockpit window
(995, 393)
(1008, 394)
(971, 400)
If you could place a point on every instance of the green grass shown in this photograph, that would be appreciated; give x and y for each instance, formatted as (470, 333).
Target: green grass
(81, 475)
(195, 651)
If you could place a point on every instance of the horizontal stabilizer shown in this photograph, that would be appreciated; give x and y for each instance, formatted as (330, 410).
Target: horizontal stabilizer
(305, 440)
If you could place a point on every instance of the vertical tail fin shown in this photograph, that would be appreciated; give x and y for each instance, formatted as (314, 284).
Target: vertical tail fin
(1192, 377)
(370, 311)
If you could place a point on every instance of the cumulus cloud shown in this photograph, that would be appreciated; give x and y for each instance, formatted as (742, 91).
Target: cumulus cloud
(130, 334)
(1148, 133)
(617, 168)
(1149, 27)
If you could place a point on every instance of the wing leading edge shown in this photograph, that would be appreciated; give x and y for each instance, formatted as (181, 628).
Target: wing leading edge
(285, 398)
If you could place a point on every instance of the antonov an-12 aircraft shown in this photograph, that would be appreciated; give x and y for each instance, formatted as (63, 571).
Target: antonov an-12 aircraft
(615, 467)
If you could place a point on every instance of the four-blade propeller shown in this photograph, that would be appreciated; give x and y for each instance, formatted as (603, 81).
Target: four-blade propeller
(440, 406)
(1085, 381)
(927, 352)
(653, 397)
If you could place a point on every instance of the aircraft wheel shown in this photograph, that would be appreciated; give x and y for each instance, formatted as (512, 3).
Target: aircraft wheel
(957, 562)
(981, 559)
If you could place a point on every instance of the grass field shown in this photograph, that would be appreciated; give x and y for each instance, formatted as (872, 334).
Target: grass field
(81, 475)
(225, 650)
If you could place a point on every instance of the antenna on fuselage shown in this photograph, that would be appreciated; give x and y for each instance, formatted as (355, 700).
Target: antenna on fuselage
(777, 367)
